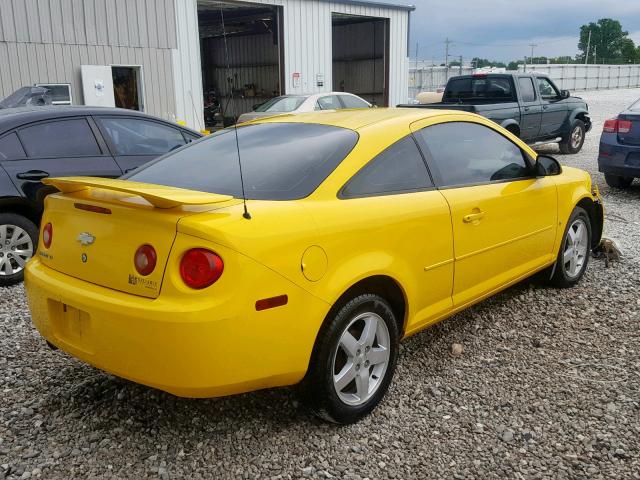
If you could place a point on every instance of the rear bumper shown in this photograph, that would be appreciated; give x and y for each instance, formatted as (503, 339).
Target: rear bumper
(199, 347)
(618, 159)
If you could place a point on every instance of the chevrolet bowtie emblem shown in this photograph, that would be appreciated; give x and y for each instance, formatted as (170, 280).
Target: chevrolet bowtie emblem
(86, 239)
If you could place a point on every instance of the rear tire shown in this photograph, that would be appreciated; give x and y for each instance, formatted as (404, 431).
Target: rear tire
(575, 250)
(18, 243)
(574, 142)
(617, 181)
(353, 361)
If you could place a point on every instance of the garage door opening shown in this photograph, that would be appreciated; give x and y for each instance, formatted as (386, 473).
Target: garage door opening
(254, 43)
(361, 57)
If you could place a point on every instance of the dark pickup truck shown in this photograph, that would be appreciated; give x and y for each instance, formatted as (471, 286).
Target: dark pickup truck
(529, 105)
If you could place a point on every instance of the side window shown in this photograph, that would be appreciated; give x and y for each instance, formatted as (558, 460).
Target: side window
(60, 138)
(330, 102)
(400, 168)
(547, 90)
(527, 90)
(133, 136)
(10, 148)
(349, 101)
(463, 153)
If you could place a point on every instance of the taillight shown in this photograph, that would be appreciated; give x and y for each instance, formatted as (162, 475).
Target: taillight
(614, 125)
(624, 126)
(200, 268)
(145, 259)
(47, 235)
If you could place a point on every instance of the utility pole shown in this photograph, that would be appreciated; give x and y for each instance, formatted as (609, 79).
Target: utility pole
(446, 53)
(586, 56)
(532, 45)
(460, 64)
(595, 54)
(415, 73)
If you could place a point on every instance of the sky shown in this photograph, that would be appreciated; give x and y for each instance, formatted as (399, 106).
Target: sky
(503, 29)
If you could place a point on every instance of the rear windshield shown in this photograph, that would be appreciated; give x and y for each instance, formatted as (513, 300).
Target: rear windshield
(635, 107)
(479, 88)
(280, 161)
(281, 104)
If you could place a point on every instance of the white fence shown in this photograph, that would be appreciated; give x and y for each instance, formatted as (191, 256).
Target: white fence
(428, 78)
(589, 77)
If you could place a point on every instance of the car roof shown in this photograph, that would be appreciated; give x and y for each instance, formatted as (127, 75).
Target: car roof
(14, 117)
(358, 118)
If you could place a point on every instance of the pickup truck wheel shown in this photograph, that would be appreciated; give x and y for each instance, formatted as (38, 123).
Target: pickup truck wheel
(573, 143)
(616, 181)
(575, 250)
(353, 360)
(18, 242)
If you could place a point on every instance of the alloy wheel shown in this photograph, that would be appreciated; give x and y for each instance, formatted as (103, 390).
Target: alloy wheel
(16, 247)
(576, 137)
(361, 358)
(576, 248)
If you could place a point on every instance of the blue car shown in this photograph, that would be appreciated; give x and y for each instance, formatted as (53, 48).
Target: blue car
(619, 157)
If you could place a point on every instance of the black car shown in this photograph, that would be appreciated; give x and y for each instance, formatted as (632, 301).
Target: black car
(40, 142)
(619, 156)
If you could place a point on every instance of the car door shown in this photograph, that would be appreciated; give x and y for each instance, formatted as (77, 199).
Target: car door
(58, 148)
(413, 231)
(530, 109)
(135, 141)
(554, 110)
(504, 218)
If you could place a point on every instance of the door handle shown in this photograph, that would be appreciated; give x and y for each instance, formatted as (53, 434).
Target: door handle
(473, 217)
(32, 175)
(526, 109)
(545, 107)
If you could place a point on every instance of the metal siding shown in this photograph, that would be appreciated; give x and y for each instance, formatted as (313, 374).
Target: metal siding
(6, 18)
(20, 20)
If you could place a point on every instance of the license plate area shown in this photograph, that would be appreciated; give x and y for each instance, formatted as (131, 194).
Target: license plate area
(71, 325)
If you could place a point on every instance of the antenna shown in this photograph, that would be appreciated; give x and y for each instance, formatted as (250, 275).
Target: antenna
(246, 213)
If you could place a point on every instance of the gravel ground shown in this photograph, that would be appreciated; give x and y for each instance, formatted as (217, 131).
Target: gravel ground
(548, 386)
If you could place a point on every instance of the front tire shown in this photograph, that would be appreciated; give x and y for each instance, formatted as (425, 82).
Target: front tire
(574, 253)
(18, 243)
(617, 181)
(574, 142)
(353, 361)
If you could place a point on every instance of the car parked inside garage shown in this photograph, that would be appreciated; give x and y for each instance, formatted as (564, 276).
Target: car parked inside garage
(41, 142)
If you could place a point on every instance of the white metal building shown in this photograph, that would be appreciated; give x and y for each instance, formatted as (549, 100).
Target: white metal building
(289, 46)
(167, 57)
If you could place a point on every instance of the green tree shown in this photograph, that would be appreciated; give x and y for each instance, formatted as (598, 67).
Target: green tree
(629, 51)
(607, 39)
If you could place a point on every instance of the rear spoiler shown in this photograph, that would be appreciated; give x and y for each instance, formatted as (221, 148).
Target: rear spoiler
(160, 196)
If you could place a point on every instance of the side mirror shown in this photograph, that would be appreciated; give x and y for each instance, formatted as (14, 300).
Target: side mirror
(547, 166)
(564, 94)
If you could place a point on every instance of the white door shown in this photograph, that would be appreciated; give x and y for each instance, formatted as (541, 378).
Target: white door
(97, 85)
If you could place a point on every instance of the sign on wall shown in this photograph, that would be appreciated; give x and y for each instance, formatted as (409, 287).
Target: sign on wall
(97, 85)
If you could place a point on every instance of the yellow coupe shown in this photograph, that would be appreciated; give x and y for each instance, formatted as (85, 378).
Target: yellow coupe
(361, 228)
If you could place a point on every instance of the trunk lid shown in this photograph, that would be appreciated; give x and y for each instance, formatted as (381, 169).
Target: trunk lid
(98, 245)
(632, 137)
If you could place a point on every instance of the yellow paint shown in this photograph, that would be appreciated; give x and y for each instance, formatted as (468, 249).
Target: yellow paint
(446, 249)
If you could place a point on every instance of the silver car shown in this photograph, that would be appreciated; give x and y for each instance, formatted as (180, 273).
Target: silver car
(305, 103)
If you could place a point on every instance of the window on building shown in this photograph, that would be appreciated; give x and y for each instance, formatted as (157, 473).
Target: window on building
(399, 169)
(60, 138)
(464, 153)
(60, 93)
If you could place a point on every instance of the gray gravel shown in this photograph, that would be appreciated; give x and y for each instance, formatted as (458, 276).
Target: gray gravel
(547, 386)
